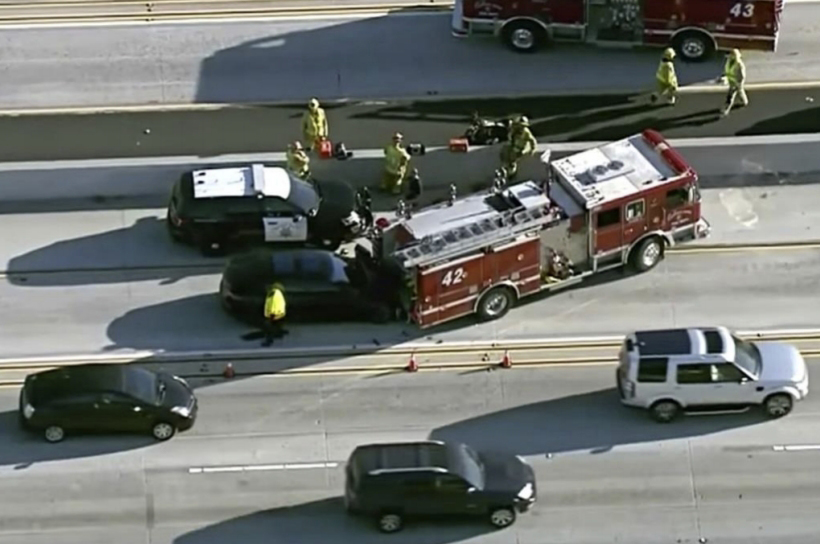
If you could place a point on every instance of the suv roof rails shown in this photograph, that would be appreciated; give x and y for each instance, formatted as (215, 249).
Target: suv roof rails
(378, 471)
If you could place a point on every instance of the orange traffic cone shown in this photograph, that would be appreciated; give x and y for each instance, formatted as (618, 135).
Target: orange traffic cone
(412, 365)
(229, 371)
(506, 361)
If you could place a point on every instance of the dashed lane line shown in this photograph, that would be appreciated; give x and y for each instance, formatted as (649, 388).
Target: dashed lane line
(261, 468)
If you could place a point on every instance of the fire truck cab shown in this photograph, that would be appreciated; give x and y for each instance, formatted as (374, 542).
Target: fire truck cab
(617, 204)
(695, 28)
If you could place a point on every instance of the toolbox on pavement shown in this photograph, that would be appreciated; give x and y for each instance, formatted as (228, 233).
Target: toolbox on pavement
(459, 145)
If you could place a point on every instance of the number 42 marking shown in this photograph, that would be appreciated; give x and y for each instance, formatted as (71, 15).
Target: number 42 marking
(741, 9)
(453, 277)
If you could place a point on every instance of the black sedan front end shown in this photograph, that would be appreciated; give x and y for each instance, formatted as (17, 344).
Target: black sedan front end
(336, 219)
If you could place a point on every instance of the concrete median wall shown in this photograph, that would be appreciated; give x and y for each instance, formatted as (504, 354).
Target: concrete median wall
(130, 178)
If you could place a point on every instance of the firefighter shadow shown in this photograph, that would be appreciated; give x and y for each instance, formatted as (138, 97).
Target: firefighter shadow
(297, 523)
(590, 422)
(139, 252)
(22, 450)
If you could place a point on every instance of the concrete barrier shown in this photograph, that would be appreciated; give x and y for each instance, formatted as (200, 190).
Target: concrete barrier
(152, 177)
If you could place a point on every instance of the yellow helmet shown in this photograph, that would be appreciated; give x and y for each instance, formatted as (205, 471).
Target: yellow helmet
(523, 121)
(313, 104)
(668, 53)
(735, 54)
(296, 146)
(278, 286)
(397, 137)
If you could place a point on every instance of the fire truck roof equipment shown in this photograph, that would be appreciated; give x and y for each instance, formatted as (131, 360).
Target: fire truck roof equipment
(242, 182)
(472, 222)
(619, 169)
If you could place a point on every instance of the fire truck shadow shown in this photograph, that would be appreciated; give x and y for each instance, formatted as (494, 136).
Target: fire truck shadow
(674, 126)
(805, 121)
(592, 421)
(298, 523)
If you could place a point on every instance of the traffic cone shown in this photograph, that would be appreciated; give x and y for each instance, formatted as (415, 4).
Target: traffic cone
(506, 361)
(412, 365)
(229, 371)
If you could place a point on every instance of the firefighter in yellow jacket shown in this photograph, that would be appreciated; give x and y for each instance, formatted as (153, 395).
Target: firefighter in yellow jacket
(298, 161)
(734, 72)
(275, 310)
(521, 144)
(666, 79)
(396, 160)
(314, 124)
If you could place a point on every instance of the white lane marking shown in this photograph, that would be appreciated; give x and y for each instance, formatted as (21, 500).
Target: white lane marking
(804, 447)
(260, 468)
(738, 207)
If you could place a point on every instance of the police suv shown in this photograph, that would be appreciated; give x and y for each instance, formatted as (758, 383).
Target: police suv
(214, 207)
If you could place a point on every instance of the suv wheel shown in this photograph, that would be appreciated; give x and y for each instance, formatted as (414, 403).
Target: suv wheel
(54, 433)
(665, 411)
(163, 430)
(390, 523)
(778, 405)
(502, 517)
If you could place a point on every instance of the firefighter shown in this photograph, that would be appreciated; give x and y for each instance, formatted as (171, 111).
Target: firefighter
(396, 160)
(520, 144)
(314, 125)
(666, 79)
(734, 72)
(298, 161)
(275, 309)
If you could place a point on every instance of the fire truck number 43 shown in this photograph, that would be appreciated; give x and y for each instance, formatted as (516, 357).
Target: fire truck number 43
(453, 277)
(742, 9)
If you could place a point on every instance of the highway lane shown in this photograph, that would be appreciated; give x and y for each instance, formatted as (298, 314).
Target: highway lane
(716, 478)
(370, 125)
(333, 58)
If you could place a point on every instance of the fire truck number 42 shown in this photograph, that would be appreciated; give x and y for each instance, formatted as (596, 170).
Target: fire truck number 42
(742, 9)
(453, 277)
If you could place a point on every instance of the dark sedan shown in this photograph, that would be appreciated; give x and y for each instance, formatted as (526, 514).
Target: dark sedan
(213, 208)
(319, 285)
(106, 398)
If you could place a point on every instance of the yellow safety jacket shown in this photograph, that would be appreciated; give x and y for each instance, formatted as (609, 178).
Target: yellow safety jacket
(314, 126)
(666, 75)
(298, 162)
(275, 305)
(524, 142)
(396, 159)
(735, 72)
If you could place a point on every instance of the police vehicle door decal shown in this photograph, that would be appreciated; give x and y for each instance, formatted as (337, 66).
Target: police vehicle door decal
(285, 229)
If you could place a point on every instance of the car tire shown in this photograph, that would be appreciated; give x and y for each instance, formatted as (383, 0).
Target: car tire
(665, 411)
(694, 46)
(162, 431)
(495, 303)
(778, 405)
(175, 235)
(380, 314)
(524, 36)
(502, 517)
(646, 255)
(54, 434)
(390, 522)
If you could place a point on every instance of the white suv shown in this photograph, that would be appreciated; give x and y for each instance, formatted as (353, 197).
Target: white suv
(708, 370)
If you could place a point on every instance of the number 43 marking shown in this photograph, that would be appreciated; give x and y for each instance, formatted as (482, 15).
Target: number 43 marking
(741, 9)
(453, 277)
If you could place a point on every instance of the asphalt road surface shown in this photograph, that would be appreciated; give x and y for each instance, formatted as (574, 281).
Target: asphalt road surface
(397, 56)
(370, 126)
(606, 474)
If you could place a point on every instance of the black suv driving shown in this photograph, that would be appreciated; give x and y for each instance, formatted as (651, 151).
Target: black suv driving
(106, 398)
(433, 479)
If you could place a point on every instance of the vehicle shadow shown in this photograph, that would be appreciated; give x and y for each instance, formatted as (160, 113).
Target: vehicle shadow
(298, 524)
(20, 449)
(592, 422)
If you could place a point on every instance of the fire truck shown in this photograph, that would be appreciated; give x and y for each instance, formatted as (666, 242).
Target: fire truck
(695, 28)
(622, 203)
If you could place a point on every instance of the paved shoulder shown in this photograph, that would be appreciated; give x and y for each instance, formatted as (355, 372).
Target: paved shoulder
(369, 125)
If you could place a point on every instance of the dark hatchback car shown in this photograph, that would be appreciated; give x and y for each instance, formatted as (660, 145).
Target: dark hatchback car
(319, 285)
(250, 204)
(106, 398)
(392, 482)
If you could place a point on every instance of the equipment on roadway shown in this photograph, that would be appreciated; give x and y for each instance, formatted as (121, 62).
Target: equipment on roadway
(213, 207)
(695, 28)
(708, 370)
(621, 203)
(486, 131)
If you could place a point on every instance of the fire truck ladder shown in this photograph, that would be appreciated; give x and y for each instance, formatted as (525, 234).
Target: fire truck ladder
(474, 236)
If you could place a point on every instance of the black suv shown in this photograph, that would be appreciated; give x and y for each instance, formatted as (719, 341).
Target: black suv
(106, 398)
(432, 479)
(248, 204)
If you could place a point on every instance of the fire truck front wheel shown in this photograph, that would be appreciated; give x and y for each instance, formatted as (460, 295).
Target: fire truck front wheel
(694, 45)
(646, 255)
(524, 36)
(496, 303)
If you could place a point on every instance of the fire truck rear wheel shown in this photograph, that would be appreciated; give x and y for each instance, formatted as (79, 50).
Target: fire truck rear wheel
(496, 303)
(647, 254)
(524, 36)
(694, 46)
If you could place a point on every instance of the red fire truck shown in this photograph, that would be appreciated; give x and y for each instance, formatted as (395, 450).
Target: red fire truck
(618, 204)
(695, 28)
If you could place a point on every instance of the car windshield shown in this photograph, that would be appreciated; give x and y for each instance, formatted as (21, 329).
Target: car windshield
(747, 356)
(303, 196)
(472, 469)
(144, 386)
